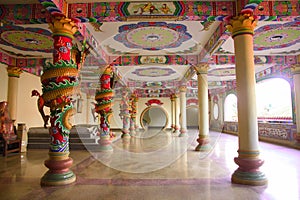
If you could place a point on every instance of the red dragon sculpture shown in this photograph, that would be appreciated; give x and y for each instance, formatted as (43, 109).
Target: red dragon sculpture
(41, 103)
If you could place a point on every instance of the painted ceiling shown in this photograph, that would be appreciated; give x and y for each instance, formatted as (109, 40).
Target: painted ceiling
(152, 45)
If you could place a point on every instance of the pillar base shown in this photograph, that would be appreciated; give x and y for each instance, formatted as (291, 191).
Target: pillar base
(52, 179)
(105, 144)
(132, 131)
(59, 172)
(183, 133)
(248, 172)
(125, 134)
(172, 127)
(297, 138)
(176, 130)
(204, 144)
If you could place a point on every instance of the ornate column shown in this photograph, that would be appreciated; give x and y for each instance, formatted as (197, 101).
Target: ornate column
(183, 129)
(176, 114)
(203, 116)
(124, 113)
(296, 77)
(133, 102)
(12, 92)
(172, 98)
(59, 83)
(103, 108)
(248, 173)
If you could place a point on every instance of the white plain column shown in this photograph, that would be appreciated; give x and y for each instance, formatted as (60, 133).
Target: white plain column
(172, 98)
(177, 113)
(203, 122)
(12, 92)
(296, 77)
(183, 129)
(248, 173)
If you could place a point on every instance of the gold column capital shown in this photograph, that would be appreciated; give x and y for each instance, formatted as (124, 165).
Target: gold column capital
(244, 23)
(201, 68)
(172, 97)
(182, 88)
(61, 25)
(14, 71)
(295, 69)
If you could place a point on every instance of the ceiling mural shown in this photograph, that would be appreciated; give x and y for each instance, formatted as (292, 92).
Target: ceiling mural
(277, 36)
(152, 35)
(152, 45)
(228, 71)
(27, 39)
(153, 72)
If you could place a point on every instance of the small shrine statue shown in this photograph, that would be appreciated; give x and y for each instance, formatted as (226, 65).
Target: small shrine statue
(6, 124)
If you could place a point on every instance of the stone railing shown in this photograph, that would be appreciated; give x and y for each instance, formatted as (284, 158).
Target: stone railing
(279, 133)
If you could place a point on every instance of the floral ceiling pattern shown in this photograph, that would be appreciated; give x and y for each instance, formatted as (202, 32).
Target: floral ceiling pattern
(152, 35)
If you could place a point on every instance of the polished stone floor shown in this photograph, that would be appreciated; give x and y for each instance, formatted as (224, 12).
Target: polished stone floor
(155, 165)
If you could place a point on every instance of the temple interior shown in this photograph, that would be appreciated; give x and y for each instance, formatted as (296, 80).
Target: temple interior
(150, 99)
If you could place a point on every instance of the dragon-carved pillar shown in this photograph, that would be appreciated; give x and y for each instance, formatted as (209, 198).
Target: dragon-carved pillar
(59, 83)
(103, 107)
(133, 102)
(125, 113)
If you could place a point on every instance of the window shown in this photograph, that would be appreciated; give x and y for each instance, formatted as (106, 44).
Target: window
(230, 108)
(273, 100)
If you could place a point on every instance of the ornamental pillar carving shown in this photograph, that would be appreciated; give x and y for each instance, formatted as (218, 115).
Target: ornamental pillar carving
(59, 83)
(13, 73)
(104, 108)
(183, 129)
(296, 77)
(203, 122)
(133, 111)
(242, 30)
(125, 113)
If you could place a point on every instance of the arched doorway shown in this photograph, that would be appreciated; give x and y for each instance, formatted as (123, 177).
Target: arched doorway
(192, 116)
(154, 117)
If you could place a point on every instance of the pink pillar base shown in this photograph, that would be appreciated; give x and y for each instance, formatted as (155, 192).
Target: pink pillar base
(58, 173)
(297, 138)
(125, 133)
(176, 129)
(204, 144)
(248, 172)
(105, 143)
(182, 132)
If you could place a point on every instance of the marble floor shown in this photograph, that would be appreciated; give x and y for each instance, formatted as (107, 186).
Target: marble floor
(155, 165)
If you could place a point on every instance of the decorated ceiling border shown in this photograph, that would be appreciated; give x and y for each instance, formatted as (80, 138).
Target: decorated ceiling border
(118, 11)
(181, 10)
(276, 59)
(24, 14)
(140, 60)
(30, 65)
